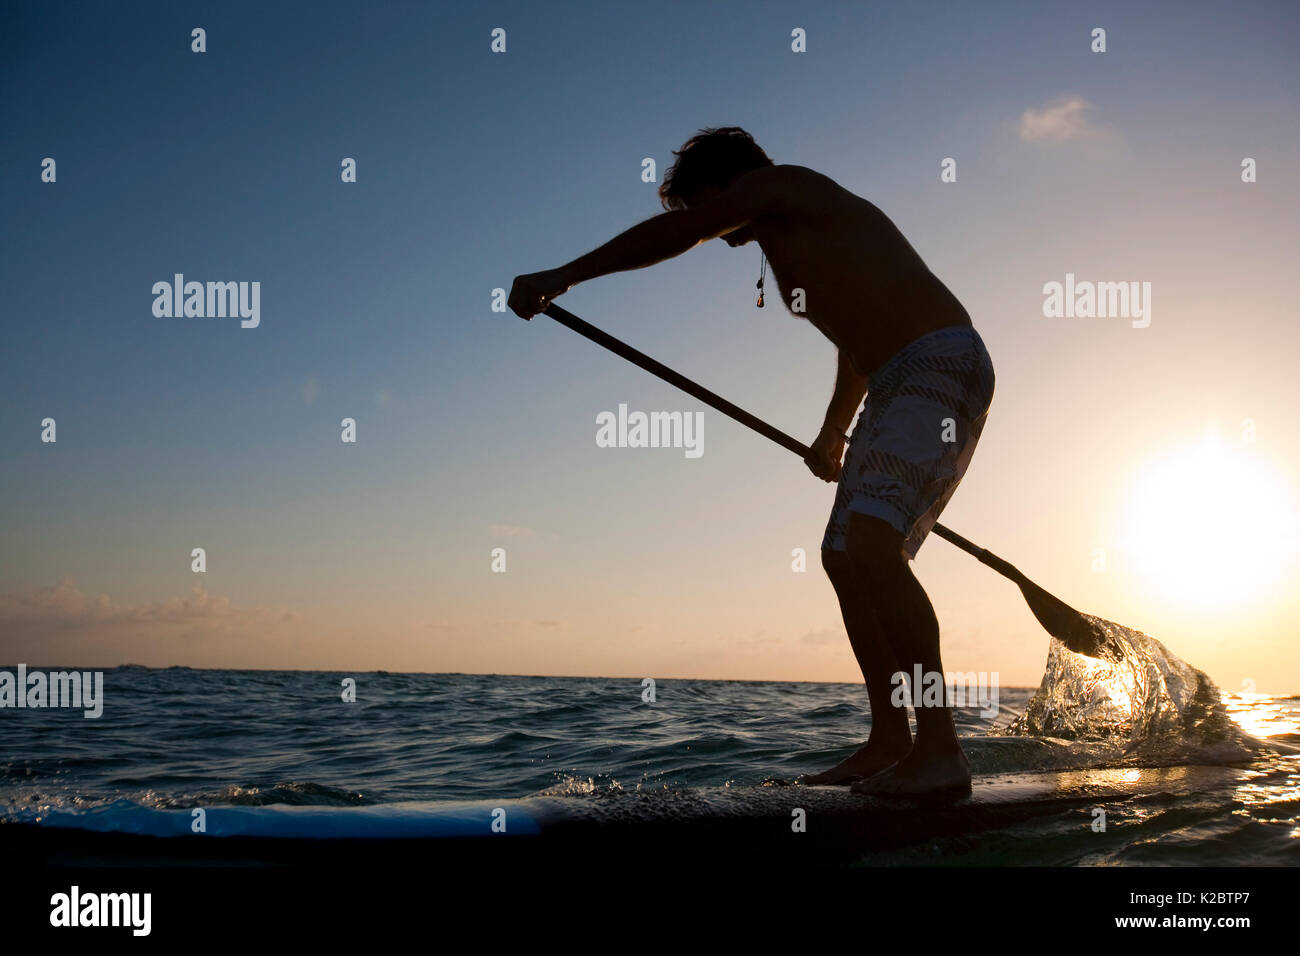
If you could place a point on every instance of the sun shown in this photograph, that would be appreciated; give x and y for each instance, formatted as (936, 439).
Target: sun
(1212, 526)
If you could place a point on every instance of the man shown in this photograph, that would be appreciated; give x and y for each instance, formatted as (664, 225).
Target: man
(904, 342)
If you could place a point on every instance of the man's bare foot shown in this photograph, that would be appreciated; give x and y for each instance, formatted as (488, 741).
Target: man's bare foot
(924, 771)
(871, 758)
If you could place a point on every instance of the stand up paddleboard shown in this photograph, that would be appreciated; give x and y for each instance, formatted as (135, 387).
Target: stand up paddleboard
(767, 823)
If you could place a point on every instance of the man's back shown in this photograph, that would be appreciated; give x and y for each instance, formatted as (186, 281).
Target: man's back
(863, 284)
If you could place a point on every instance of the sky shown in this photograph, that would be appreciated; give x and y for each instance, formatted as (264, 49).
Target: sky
(1144, 474)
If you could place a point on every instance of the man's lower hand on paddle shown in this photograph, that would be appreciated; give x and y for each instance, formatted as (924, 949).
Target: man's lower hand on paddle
(826, 454)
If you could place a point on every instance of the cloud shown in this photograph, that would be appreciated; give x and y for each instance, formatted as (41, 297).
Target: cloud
(1066, 119)
(63, 609)
(309, 390)
(758, 639)
(823, 637)
(510, 531)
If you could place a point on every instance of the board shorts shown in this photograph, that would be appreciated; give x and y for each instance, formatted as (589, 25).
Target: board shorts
(915, 435)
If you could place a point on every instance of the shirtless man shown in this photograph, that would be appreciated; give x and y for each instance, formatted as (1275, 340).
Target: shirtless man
(905, 343)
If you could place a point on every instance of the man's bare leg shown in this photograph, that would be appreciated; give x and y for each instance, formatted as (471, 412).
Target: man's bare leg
(891, 737)
(935, 762)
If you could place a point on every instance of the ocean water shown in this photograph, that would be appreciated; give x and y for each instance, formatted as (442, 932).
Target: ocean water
(178, 738)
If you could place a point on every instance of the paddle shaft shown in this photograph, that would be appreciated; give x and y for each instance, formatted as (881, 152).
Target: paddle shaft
(654, 367)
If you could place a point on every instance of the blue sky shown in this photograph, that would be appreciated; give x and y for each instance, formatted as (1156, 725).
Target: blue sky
(476, 430)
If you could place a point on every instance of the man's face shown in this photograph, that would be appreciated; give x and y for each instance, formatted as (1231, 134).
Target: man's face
(737, 237)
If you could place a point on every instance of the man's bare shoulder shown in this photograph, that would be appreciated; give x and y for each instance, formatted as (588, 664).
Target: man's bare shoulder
(780, 179)
(795, 172)
(789, 178)
(795, 193)
(795, 186)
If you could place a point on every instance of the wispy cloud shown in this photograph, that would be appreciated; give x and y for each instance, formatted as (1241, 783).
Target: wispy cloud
(823, 637)
(510, 531)
(64, 609)
(1067, 119)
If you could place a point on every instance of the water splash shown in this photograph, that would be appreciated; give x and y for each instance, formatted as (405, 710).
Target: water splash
(568, 785)
(1137, 703)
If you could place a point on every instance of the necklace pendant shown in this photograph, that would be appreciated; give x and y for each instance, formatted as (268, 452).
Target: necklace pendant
(760, 300)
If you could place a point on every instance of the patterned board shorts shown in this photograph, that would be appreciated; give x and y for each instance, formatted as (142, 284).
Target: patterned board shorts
(916, 433)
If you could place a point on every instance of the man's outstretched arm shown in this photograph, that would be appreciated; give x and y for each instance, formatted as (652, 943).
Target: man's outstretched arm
(648, 243)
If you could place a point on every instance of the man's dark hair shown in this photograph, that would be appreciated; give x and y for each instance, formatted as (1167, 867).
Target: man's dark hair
(712, 157)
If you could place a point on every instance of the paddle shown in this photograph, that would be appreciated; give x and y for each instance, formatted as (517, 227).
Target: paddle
(1060, 620)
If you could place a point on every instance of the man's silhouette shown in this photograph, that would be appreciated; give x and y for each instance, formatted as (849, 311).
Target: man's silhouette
(904, 342)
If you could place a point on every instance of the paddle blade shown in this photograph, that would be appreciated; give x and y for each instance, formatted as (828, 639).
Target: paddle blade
(1077, 632)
